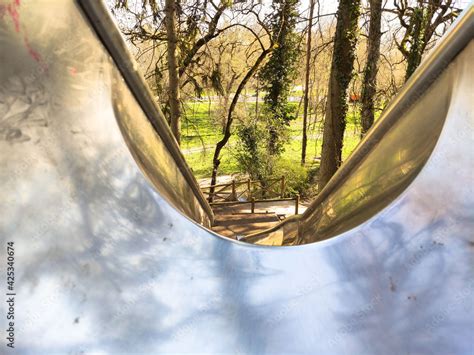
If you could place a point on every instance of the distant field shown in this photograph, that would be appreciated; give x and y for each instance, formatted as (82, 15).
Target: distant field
(201, 131)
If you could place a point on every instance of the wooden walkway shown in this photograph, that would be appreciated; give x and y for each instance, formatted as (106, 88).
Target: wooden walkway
(246, 207)
(240, 224)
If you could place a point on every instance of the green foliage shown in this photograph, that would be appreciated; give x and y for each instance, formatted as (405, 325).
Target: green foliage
(254, 159)
(278, 73)
(214, 80)
(158, 81)
(251, 153)
(277, 122)
(311, 187)
(296, 176)
(199, 129)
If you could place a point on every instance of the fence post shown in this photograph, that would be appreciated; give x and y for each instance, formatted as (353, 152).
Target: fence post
(249, 188)
(211, 193)
(234, 195)
(282, 193)
(297, 202)
(252, 207)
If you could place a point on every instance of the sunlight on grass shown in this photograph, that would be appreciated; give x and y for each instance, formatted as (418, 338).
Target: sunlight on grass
(201, 130)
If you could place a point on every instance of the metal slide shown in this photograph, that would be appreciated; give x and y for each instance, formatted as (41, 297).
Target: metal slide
(103, 224)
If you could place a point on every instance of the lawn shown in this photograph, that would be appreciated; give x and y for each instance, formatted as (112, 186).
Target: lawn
(201, 131)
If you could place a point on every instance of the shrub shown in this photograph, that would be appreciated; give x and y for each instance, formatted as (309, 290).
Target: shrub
(296, 176)
(251, 153)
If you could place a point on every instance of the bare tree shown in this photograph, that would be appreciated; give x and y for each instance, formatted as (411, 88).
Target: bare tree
(227, 131)
(195, 23)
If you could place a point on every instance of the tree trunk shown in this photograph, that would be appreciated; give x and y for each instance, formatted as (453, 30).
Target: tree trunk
(304, 142)
(256, 100)
(227, 133)
(369, 84)
(340, 77)
(173, 92)
(417, 44)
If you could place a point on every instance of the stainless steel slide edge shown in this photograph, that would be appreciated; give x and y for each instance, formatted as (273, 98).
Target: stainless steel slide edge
(103, 264)
(108, 32)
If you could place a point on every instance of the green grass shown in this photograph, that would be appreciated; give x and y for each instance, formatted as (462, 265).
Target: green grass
(201, 131)
(198, 127)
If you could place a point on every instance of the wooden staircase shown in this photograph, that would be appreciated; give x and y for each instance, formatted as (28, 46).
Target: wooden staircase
(240, 224)
(248, 206)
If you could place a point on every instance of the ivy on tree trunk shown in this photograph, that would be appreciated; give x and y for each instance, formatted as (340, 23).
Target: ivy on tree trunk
(369, 84)
(341, 73)
(174, 101)
(304, 141)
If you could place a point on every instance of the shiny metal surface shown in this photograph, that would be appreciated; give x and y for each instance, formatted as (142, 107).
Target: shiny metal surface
(106, 265)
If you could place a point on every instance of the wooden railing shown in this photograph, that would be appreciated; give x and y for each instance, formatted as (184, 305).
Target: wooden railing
(249, 192)
(254, 201)
(245, 190)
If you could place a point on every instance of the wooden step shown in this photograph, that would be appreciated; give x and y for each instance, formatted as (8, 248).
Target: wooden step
(232, 225)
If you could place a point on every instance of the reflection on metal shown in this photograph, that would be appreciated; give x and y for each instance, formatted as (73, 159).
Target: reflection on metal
(106, 264)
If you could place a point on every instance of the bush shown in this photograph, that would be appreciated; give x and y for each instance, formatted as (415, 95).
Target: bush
(296, 176)
(312, 188)
(251, 153)
(254, 160)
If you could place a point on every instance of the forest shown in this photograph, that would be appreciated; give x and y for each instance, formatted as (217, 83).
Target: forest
(263, 89)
